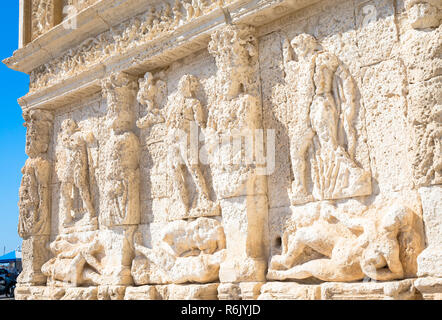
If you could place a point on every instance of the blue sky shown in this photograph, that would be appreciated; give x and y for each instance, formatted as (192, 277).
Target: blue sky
(13, 85)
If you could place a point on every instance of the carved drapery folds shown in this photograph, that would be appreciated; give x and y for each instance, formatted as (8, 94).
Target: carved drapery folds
(234, 117)
(121, 153)
(76, 170)
(34, 191)
(34, 196)
(42, 17)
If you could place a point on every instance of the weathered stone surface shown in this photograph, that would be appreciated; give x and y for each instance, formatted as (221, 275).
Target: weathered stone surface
(430, 261)
(430, 288)
(173, 292)
(289, 291)
(208, 149)
(399, 290)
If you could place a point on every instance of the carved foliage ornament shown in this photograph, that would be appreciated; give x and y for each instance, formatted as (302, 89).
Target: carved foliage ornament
(158, 21)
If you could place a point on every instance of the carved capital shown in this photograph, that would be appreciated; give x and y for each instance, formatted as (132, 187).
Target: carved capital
(235, 49)
(39, 127)
(120, 90)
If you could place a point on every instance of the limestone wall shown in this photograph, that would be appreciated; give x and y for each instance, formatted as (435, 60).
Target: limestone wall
(213, 149)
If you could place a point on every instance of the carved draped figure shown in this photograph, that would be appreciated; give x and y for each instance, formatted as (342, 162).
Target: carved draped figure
(34, 198)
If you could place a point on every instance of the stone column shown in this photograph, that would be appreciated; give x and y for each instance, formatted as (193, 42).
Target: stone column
(421, 47)
(120, 213)
(24, 23)
(34, 198)
(235, 121)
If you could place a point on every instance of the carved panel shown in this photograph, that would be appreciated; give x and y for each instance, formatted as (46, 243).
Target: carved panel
(121, 153)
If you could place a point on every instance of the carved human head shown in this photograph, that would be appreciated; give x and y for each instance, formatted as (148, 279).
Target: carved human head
(39, 126)
(188, 85)
(424, 13)
(397, 217)
(304, 44)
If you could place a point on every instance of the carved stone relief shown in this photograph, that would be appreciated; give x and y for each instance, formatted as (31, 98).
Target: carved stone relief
(34, 197)
(76, 169)
(353, 247)
(185, 116)
(121, 154)
(421, 47)
(160, 192)
(77, 260)
(42, 17)
(188, 252)
(324, 101)
(235, 114)
(34, 193)
(158, 21)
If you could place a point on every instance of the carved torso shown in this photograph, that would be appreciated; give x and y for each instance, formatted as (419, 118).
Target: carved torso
(34, 198)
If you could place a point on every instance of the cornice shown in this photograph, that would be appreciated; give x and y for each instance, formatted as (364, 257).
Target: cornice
(157, 53)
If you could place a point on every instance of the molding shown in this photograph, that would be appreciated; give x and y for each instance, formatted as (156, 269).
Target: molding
(154, 54)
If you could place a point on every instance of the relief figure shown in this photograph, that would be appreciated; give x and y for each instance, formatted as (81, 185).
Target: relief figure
(75, 171)
(325, 96)
(354, 247)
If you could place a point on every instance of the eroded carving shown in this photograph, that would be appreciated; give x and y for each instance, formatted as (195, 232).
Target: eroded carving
(236, 110)
(185, 115)
(77, 260)
(159, 20)
(188, 252)
(42, 17)
(75, 169)
(34, 193)
(324, 103)
(424, 13)
(121, 153)
(354, 247)
(151, 92)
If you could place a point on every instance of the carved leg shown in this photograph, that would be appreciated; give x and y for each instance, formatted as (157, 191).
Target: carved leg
(66, 202)
(298, 150)
(322, 269)
(180, 185)
(321, 237)
(86, 196)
